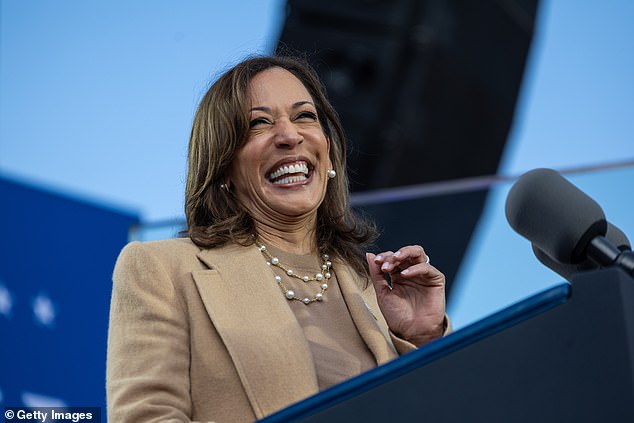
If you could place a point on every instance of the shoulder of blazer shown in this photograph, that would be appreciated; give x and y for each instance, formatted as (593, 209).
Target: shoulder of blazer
(175, 252)
(230, 254)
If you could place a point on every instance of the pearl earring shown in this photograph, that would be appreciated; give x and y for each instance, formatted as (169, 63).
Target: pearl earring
(331, 173)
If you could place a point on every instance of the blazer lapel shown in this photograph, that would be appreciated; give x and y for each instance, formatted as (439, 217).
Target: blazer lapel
(366, 314)
(259, 330)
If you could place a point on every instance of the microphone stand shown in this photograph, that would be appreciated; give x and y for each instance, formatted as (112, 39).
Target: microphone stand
(606, 254)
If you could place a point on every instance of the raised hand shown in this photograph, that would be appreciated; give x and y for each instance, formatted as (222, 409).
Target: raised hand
(414, 304)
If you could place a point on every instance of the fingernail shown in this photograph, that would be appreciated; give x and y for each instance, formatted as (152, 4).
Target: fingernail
(405, 272)
(397, 254)
(378, 258)
(384, 267)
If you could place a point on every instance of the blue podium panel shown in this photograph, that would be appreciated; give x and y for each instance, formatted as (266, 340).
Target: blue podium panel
(57, 258)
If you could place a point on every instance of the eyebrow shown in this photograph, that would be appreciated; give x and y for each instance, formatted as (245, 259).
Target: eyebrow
(294, 106)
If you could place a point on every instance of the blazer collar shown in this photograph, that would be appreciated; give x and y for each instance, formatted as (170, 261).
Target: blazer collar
(259, 330)
(365, 313)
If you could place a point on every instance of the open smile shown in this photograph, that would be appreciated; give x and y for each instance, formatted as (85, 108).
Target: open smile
(290, 172)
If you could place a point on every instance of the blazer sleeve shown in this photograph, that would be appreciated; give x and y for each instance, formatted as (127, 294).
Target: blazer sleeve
(403, 346)
(147, 372)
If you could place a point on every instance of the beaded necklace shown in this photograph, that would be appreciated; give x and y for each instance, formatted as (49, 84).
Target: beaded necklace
(321, 277)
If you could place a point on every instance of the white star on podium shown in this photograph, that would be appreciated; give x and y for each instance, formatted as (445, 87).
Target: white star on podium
(44, 310)
(6, 302)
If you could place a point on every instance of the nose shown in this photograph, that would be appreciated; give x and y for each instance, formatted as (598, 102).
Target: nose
(286, 134)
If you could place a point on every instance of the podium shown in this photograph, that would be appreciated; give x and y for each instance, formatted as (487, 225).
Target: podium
(564, 355)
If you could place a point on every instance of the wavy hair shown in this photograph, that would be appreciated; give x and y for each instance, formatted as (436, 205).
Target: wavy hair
(220, 129)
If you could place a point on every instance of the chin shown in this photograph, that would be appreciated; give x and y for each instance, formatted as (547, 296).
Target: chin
(296, 208)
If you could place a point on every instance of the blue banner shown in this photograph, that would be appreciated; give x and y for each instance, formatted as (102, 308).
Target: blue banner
(57, 255)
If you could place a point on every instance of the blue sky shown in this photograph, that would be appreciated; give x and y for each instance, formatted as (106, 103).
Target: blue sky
(97, 99)
(576, 109)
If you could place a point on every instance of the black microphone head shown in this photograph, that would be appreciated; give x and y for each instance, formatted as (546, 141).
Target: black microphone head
(556, 216)
(567, 270)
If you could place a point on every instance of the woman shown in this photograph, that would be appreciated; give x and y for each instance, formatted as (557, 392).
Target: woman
(271, 297)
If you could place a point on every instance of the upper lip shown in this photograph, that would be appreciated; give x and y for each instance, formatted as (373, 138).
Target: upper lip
(287, 161)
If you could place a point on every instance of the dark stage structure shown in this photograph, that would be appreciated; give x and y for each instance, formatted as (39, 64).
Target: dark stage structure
(426, 90)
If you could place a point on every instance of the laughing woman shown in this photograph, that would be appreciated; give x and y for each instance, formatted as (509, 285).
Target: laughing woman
(271, 297)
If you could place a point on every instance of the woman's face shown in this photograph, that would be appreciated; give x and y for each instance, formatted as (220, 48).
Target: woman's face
(280, 174)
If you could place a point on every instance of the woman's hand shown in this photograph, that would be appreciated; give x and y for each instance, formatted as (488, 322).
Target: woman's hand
(414, 306)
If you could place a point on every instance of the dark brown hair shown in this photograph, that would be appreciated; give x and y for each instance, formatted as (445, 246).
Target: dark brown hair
(220, 129)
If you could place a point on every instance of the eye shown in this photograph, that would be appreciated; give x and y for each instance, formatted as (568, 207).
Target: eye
(306, 116)
(258, 122)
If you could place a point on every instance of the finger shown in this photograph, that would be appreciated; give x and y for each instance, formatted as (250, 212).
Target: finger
(428, 274)
(411, 254)
(387, 261)
(379, 280)
(382, 257)
(376, 275)
(393, 263)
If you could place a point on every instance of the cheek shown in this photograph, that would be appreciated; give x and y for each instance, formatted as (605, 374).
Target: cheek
(243, 178)
(245, 172)
(329, 164)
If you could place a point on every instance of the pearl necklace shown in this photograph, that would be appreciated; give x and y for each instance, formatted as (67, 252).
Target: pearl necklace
(322, 276)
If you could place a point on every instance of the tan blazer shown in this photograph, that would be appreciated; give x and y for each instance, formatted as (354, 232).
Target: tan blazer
(204, 335)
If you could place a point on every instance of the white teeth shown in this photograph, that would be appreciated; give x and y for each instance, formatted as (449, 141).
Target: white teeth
(300, 167)
(290, 179)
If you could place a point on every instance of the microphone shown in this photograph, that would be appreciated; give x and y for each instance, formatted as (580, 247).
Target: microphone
(555, 215)
(567, 271)
(562, 221)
